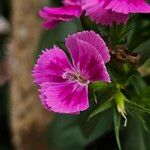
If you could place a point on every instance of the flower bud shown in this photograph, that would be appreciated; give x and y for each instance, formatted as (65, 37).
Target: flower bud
(119, 99)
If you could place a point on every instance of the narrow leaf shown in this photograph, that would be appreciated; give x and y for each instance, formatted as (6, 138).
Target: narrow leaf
(136, 106)
(87, 126)
(117, 120)
(139, 117)
(144, 51)
(108, 104)
(138, 83)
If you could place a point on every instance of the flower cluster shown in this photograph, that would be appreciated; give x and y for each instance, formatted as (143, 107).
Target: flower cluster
(63, 84)
(105, 12)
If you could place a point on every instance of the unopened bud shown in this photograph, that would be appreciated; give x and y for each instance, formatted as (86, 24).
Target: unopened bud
(119, 99)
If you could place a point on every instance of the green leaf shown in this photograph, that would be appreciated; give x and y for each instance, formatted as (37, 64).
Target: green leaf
(64, 133)
(144, 50)
(139, 116)
(87, 126)
(106, 105)
(99, 86)
(136, 106)
(117, 120)
(138, 83)
(140, 33)
(134, 137)
(104, 125)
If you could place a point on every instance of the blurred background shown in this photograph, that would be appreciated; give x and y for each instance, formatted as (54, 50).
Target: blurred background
(24, 124)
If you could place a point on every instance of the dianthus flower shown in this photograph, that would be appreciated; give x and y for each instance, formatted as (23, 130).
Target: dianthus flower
(126, 6)
(64, 85)
(107, 12)
(101, 15)
(74, 8)
(53, 16)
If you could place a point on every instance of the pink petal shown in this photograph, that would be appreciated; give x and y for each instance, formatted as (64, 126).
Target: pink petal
(126, 6)
(50, 66)
(50, 24)
(103, 16)
(72, 11)
(64, 98)
(91, 63)
(52, 16)
(92, 38)
(72, 2)
(87, 60)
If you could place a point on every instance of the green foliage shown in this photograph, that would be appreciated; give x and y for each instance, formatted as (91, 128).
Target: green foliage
(66, 133)
(137, 107)
(106, 105)
(135, 138)
(76, 132)
(144, 50)
(117, 119)
(140, 32)
(86, 124)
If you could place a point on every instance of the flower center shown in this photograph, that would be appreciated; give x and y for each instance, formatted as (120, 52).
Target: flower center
(71, 76)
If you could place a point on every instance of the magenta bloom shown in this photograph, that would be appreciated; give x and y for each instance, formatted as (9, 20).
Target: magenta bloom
(74, 8)
(107, 12)
(53, 16)
(101, 15)
(64, 85)
(126, 6)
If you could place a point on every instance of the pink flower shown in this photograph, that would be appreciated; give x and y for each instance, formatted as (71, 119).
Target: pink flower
(64, 85)
(53, 16)
(107, 12)
(101, 15)
(74, 8)
(126, 6)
